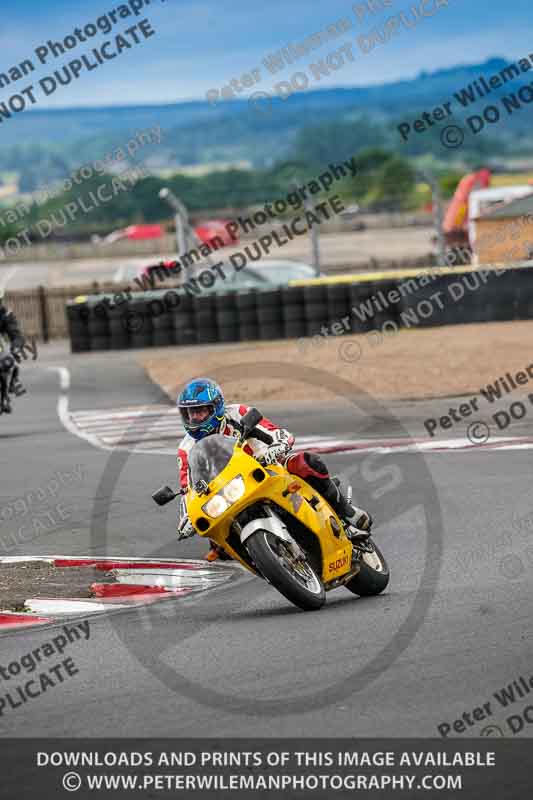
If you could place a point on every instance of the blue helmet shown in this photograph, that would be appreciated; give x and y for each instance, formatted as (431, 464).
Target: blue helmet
(202, 393)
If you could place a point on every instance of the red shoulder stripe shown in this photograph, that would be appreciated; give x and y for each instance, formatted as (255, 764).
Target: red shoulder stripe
(184, 466)
(266, 423)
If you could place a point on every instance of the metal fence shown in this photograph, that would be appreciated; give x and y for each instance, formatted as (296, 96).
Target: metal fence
(41, 311)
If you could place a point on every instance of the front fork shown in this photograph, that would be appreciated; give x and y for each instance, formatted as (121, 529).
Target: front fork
(269, 522)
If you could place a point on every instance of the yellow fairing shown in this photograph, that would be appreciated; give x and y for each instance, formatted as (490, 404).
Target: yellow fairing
(267, 484)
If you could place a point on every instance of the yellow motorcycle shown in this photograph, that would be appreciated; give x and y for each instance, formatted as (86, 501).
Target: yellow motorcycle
(274, 523)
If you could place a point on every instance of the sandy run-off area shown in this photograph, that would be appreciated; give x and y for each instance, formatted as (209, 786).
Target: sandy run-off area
(433, 362)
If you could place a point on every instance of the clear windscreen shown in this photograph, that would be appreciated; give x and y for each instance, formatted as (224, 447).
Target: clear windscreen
(209, 456)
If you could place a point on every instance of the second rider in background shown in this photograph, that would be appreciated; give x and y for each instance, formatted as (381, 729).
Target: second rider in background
(10, 330)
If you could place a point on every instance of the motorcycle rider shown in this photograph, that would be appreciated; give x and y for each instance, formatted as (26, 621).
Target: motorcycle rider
(204, 412)
(9, 328)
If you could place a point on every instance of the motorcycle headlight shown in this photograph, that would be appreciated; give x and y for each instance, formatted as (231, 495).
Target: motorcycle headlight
(234, 490)
(216, 506)
(223, 499)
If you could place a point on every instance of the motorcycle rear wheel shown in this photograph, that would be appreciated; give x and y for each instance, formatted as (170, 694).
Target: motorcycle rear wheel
(373, 577)
(287, 569)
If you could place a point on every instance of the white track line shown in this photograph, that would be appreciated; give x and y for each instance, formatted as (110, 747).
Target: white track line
(63, 412)
(127, 413)
(345, 446)
(149, 431)
(67, 421)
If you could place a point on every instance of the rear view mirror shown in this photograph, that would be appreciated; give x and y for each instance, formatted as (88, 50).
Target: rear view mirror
(164, 495)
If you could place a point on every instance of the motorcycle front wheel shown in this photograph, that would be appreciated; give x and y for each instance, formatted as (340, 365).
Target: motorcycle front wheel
(286, 567)
(373, 577)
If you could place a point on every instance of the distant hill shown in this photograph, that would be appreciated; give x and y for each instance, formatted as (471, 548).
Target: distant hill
(46, 145)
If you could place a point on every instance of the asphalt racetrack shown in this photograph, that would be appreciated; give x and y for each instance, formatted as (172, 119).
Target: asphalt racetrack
(453, 627)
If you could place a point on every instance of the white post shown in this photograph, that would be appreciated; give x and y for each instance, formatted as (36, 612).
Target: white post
(313, 231)
(438, 217)
(181, 219)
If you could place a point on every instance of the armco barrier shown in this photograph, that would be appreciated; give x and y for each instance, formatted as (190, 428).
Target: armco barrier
(367, 302)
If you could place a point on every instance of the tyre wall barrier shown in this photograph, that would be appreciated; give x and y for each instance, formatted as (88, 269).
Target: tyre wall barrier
(159, 319)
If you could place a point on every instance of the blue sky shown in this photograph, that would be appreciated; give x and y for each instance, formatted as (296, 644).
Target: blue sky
(202, 44)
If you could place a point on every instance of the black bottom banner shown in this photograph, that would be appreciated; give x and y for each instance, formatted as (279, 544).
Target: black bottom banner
(286, 768)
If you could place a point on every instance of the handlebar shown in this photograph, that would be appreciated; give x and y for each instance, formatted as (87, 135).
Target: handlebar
(166, 494)
(247, 427)
(263, 436)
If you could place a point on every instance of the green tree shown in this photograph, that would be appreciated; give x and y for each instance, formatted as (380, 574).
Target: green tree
(448, 182)
(394, 186)
(368, 162)
(336, 141)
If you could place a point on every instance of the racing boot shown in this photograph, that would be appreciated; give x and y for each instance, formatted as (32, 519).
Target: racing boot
(5, 404)
(17, 388)
(216, 553)
(358, 522)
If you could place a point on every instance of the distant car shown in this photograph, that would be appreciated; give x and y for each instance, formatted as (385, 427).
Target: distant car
(128, 270)
(159, 272)
(266, 273)
(256, 275)
(214, 232)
